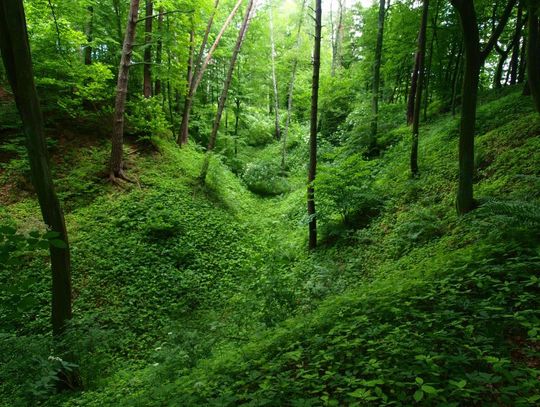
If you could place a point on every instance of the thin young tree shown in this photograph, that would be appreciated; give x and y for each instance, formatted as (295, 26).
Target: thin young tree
(533, 53)
(223, 97)
(337, 39)
(15, 51)
(116, 170)
(475, 57)
(277, 130)
(147, 57)
(312, 169)
(421, 56)
(159, 50)
(291, 87)
(199, 68)
(377, 75)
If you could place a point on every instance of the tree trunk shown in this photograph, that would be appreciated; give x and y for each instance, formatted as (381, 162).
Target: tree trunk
(474, 59)
(514, 61)
(377, 76)
(418, 96)
(503, 55)
(89, 29)
(147, 70)
(456, 79)
(533, 56)
(523, 59)
(337, 39)
(224, 92)
(291, 88)
(197, 76)
(115, 169)
(159, 51)
(427, 81)
(312, 171)
(15, 51)
(274, 77)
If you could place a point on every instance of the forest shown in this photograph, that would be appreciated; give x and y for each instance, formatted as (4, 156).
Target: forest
(269, 203)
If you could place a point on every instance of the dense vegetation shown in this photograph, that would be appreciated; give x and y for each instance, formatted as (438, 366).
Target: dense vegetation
(193, 279)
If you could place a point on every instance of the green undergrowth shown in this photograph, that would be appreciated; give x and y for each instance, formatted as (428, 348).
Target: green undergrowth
(190, 295)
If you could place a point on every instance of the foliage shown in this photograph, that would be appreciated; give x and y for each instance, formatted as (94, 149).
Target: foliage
(264, 178)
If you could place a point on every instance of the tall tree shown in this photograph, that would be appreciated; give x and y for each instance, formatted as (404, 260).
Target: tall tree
(277, 129)
(421, 55)
(116, 170)
(291, 87)
(147, 67)
(15, 51)
(377, 75)
(89, 35)
(225, 90)
(337, 38)
(312, 169)
(475, 57)
(533, 53)
(159, 50)
(200, 68)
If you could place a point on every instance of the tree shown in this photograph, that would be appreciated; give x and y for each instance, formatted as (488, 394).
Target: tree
(475, 57)
(116, 165)
(421, 55)
(147, 68)
(377, 75)
(533, 53)
(274, 77)
(224, 92)
(15, 51)
(312, 170)
(291, 87)
(337, 38)
(199, 69)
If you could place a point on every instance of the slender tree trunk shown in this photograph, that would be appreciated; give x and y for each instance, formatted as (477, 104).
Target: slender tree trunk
(418, 97)
(159, 52)
(377, 76)
(523, 59)
(427, 78)
(503, 55)
(115, 169)
(414, 85)
(89, 37)
(15, 51)
(147, 69)
(474, 59)
(337, 39)
(291, 88)
(277, 129)
(514, 61)
(312, 171)
(197, 77)
(118, 20)
(223, 97)
(533, 56)
(456, 79)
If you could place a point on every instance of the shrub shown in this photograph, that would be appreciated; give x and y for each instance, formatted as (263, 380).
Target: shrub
(263, 178)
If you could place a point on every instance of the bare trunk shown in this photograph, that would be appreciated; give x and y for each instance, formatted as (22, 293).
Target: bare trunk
(533, 57)
(198, 74)
(115, 169)
(15, 52)
(312, 171)
(514, 61)
(337, 39)
(147, 73)
(418, 96)
(274, 77)
(225, 91)
(89, 31)
(377, 76)
(159, 51)
(291, 88)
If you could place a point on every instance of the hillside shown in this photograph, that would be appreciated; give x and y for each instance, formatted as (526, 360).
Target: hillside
(204, 295)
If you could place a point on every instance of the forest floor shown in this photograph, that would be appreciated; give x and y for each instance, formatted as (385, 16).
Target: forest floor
(188, 295)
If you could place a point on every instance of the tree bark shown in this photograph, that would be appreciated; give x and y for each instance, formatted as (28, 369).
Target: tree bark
(225, 91)
(291, 88)
(503, 55)
(377, 76)
(418, 96)
(277, 129)
(115, 168)
(198, 74)
(337, 39)
(474, 59)
(147, 68)
(15, 51)
(89, 37)
(312, 170)
(533, 56)
(514, 61)
(159, 51)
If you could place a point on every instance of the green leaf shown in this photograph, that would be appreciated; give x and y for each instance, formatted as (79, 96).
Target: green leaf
(429, 389)
(419, 380)
(418, 395)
